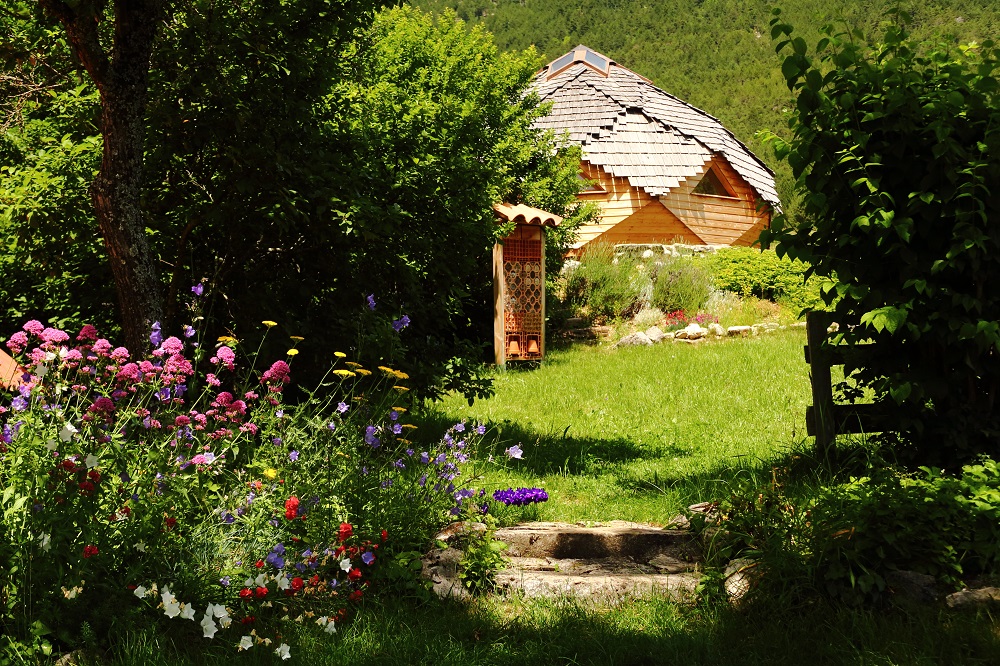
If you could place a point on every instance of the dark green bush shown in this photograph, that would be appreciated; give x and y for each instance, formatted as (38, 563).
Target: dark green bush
(751, 272)
(682, 283)
(896, 151)
(843, 539)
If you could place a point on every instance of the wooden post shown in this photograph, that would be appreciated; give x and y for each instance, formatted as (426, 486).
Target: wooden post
(821, 380)
(499, 289)
(541, 336)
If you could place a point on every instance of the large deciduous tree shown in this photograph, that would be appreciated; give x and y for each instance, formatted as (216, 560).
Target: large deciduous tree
(120, 71)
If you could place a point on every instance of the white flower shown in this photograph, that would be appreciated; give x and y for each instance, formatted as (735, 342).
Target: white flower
(283, 651)
(248, 582)
(187, 611)
(45, 541)
(67, 432)
(140, 591)
(322, 621)
(330, 627)
(208, 624)
(50, 356)
(91, 460)
(51, 445)
(261, 580)
(283, 583)
(141, 547)
(220, 611)
(246, 643)
(41, 369)
(345, 564)
(62, 352)
(171, 607)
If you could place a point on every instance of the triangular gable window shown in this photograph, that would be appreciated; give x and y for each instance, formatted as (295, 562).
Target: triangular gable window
(714, 184)
(590, 186)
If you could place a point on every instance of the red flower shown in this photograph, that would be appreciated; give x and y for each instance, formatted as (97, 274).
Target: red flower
(291, 507)
(246, 593)
(385, 535)
(126, 510)
(94, 475)
(346, 531)
(249, 618)
(314, 581)
(68, 464)
(171, 522)
(354, 574)
(259, 564)
(89, 551)
(297, 583)
(355, 595)
(86, 487)
(260, 592)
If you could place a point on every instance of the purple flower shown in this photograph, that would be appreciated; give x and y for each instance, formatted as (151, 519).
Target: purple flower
(19, 404)
(521, 496)
(367, 557)
(280, 414)
(155, 338)
(401, 323)
(396, 428)
(227, 518)
(198, 289)
(387, 483)
(342, 407)
(399, 464)
(409, 452)
(481, 429)
(189, 332)
(371, 301)
(331, 426)
(441, 459)
(425, 458)
(277, 441)
(275, 560)
(293, 456)
(459, 427)
(394, 415)
(224, 581)
(514, 452)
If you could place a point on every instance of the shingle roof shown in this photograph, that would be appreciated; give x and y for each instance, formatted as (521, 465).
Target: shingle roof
(635, 130)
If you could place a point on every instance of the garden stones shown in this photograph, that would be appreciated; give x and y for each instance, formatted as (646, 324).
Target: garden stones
(691, 332)
(743, 331)
(716, 330)
(654, 333)
(637, 339)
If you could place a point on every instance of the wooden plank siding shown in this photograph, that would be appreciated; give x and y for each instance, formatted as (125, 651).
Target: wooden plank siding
(719, 220)
(630, 215)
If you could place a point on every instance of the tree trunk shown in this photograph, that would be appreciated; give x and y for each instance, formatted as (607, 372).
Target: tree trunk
(122, 81)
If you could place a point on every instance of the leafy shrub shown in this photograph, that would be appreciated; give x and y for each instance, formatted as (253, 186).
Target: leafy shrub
(681, 283)
(842, 539)
(181, 484)
(894, 149)
(605, 286)
(750, 272)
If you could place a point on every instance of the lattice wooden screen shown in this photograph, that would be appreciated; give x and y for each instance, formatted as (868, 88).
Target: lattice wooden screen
(523, 294)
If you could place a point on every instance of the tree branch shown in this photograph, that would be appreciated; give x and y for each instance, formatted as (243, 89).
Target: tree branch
(81, 30)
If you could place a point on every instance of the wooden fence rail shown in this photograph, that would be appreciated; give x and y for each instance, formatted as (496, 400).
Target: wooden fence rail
(826, 419)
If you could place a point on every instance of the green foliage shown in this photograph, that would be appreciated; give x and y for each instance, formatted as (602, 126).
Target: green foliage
(894, 149)
(482, 558)
(681, 283)
(843, 538)
(606, 286)
(750, 272)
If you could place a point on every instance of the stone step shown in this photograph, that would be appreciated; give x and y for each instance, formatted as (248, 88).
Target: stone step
(596, 579)
(621, 539)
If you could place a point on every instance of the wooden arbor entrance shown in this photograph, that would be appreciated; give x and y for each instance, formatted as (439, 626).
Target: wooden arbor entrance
(519, 284)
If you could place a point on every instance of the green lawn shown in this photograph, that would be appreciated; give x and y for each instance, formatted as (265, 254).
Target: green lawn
(639, 433)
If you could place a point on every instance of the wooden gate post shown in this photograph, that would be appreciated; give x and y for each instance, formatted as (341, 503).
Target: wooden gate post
(819, 359)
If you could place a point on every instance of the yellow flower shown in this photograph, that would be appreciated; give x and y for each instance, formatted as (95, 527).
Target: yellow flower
(297, 338)
(401, 389)
(271, 473)
(409, 426)
(226, 339)
(269, 323)
(292, 352)
(401, 410)
(343, 373)
(404, 441)
(388, 372)
(401, 375)
(351, 364)
(363, 372)
(340, 354)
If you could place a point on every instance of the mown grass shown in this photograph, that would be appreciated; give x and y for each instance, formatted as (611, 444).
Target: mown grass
(639, 433)
(634, 632)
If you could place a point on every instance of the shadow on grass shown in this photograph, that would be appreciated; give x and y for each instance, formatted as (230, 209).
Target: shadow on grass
(551, 452)
(635, 632)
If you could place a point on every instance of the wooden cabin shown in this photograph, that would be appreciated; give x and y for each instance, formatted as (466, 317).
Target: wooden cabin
(661, 170)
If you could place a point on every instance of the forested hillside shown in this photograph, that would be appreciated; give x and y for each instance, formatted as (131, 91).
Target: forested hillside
(715, 54)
